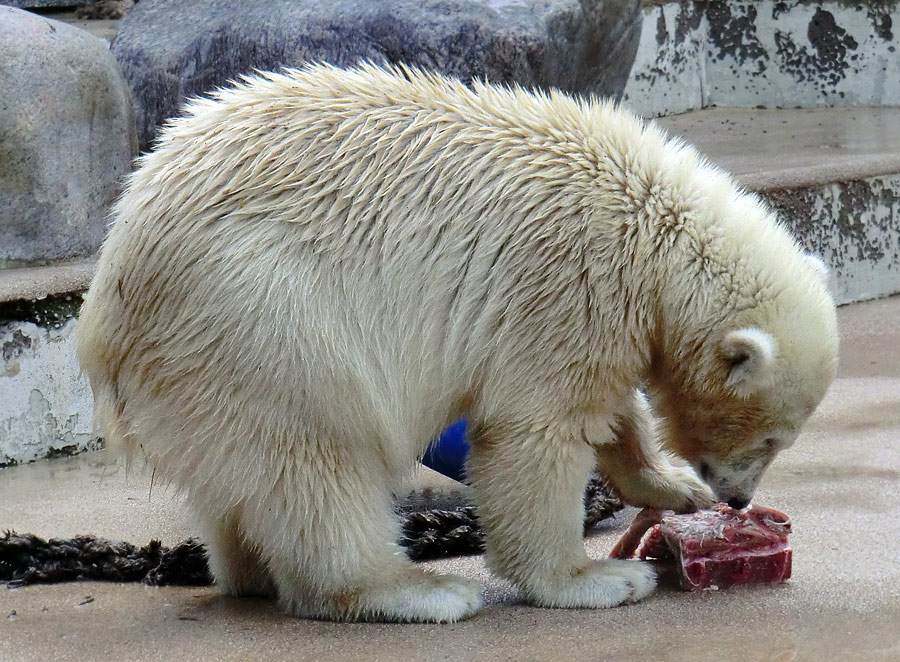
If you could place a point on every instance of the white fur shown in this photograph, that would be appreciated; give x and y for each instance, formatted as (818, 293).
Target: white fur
(818, 265)
(827, 276)
(315, 271)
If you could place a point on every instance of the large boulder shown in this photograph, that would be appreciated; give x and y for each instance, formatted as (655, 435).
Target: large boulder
(66, 138)
(172, 49)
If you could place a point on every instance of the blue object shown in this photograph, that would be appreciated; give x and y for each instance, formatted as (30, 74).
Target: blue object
(447, 455)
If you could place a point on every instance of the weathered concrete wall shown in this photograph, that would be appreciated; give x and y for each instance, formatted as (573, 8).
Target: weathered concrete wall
(46, 407)
(853, 226)
(771, 53)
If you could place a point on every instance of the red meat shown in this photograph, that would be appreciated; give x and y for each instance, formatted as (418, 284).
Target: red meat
(716, 548)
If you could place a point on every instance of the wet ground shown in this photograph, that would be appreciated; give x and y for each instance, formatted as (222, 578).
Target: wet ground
(840, 483)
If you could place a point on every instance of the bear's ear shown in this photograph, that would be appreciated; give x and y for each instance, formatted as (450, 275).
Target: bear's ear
(750, 354)
(824, 274)
(818, 266)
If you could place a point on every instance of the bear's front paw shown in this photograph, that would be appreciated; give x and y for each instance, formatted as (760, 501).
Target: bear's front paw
(599, 585)
(676, 488)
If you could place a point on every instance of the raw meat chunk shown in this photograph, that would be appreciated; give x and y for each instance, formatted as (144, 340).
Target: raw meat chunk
(716, 548)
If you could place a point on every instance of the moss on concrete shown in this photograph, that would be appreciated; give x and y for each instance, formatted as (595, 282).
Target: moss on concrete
(52, 312)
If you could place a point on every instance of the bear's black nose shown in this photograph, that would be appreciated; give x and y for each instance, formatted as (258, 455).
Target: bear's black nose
(738, 503)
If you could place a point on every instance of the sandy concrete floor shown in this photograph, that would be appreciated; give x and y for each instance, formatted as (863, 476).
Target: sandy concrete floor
(841, 484)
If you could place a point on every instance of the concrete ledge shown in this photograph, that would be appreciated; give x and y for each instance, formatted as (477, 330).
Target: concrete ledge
(46, 407)
(776, 149)
(40, 282)
(429, 490)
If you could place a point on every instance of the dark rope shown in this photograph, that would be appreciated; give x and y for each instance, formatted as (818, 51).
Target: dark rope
(436, 534)
(27, 559)
(599, 503)
(433, 534)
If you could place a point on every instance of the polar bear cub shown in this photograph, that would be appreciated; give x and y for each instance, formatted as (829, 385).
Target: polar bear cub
(317, 270)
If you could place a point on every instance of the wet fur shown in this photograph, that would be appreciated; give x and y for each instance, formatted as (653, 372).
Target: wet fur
(316, 270)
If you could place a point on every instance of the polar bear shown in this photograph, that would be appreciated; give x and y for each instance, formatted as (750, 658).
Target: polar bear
(316, 270)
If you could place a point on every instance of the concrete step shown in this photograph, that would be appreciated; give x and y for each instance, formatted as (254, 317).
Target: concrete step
(770, 53)
(37, 283)
(833, 173)
(769, 150)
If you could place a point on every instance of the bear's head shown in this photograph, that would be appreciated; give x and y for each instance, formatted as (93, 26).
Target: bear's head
(744, 391)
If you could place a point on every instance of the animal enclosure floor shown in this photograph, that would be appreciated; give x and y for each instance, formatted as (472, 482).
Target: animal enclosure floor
(840, 483)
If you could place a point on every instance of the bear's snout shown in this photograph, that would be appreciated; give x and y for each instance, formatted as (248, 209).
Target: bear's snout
(738, 503)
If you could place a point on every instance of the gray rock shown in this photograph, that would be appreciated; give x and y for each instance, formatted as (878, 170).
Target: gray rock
(66, 138)
(172, 49)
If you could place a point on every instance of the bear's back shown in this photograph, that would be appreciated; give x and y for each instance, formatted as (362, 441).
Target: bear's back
(391, 174)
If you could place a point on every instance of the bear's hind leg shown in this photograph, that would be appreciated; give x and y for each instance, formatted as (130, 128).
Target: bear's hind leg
(529, 484)
(329, 533)
(238, 568)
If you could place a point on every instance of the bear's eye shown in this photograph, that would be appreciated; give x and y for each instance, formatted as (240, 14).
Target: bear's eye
(771, 444)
